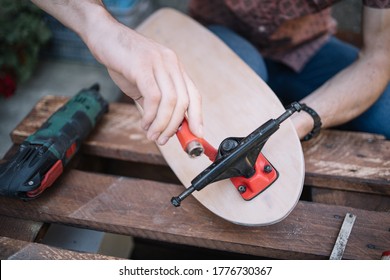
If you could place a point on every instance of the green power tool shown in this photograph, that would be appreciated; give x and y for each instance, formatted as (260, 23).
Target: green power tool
(41, 158)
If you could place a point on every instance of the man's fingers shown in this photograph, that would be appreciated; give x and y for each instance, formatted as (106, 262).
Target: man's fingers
(166, 105)
(181, 106)
(194, 110)
(151, 93)
(176, 95)
(165, 93)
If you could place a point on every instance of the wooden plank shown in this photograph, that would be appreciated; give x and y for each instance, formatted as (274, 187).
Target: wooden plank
(18, 228)
(21, 229)
(348, 161)
(336, 159)
(142, 209)
(12, 249)
(117, 136)
(367, 201)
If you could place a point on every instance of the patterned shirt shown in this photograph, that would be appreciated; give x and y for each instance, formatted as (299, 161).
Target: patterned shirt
(288, 31)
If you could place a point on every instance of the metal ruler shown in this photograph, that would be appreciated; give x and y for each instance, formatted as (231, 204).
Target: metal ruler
(342, 238)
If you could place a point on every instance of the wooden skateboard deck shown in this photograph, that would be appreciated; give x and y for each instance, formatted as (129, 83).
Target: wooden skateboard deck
(235, 102)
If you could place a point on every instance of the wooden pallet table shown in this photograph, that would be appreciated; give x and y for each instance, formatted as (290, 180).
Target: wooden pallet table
(120, 183)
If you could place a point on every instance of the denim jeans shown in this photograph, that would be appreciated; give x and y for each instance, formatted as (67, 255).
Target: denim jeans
(291, 86)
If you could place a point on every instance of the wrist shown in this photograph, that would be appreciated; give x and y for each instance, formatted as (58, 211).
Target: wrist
(99, 31)
(307, 123)
(109, 40)
(95, 23)
(316, 122)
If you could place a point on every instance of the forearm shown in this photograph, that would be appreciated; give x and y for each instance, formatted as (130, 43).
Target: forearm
(349, 93)
(79, 15)
(143, 69)
(356, 88)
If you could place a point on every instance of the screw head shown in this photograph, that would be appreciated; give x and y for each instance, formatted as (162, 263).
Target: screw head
(267, 168)
(242, 189)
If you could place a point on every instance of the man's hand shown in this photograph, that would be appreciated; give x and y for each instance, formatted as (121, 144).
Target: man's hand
(152, 75)
(144, 70)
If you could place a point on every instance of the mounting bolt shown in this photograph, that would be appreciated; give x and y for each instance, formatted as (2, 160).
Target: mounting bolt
(228, 145)
(242, 189)
(267, 168)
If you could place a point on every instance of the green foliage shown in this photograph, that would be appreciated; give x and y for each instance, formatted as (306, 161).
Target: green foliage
(22, 34)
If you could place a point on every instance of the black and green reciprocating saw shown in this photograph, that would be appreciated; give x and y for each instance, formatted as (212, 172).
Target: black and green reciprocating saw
(41, 158)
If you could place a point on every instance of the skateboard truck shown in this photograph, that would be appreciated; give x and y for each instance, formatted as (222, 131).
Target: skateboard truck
(237, 159)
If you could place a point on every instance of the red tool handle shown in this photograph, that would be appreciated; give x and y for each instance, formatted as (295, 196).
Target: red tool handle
(192, 145)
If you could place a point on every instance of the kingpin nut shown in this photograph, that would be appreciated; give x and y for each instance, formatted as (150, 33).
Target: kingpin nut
(175, 201)
(194, 149)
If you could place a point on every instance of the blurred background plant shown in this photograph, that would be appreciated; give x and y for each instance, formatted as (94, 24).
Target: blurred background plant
(22, 34)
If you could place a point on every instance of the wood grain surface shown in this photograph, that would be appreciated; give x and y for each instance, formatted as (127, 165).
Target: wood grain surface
(361, 161)
(21, 229)
(362, 200)
(13, 249)
(343, 160)
(122, 137)
(310, 230)
(141, 208)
